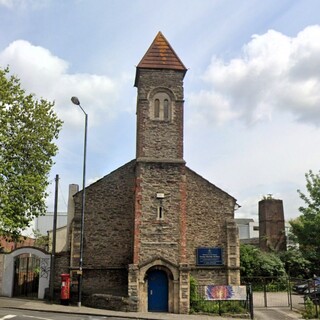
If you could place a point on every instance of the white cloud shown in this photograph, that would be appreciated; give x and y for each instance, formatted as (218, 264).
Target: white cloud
(274, 73)
(47, 76)
(23, 4)
(212, 105)
(6, 3)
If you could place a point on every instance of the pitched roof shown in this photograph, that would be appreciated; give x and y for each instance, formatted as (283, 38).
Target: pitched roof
(160, 55)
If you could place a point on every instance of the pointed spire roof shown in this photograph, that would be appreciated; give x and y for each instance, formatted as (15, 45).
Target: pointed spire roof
(160, 55)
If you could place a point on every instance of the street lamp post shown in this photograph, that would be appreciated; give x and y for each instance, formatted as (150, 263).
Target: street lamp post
(76, 101)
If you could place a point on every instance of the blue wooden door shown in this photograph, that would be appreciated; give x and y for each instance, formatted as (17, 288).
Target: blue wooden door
(157, 291)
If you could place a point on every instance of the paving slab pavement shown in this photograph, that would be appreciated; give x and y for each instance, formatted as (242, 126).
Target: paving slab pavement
(276, 314)
(40, 305)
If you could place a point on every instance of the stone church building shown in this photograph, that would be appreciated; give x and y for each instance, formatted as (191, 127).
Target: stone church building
(153, 223)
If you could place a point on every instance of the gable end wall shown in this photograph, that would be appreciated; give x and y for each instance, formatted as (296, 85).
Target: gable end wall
(108, 231)
(210, 223)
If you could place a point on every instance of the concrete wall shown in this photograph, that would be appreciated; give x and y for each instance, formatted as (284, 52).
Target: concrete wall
(61, 237)
(248, 228)
(8, 270)
(1, 272)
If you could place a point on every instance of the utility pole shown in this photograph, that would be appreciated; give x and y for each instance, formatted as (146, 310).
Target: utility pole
(54, 237)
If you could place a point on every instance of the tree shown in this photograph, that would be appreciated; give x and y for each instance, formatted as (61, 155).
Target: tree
(295, 264)
(28, 128)
(306, 228)
(41, 241)
(256, 263)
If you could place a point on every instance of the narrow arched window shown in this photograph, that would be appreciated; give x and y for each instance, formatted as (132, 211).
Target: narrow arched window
(166, 109)
(161, 107)
(157, 108)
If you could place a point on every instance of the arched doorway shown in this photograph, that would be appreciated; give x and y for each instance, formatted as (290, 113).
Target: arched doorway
(40, 266)
(26, 275)
(157, 291)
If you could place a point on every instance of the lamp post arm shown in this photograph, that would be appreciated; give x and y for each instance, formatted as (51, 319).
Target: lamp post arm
(83, 110)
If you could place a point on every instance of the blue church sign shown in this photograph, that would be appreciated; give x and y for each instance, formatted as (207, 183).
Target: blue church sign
(209, 257)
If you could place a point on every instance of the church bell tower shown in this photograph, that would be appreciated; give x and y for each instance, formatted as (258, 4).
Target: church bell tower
(159, 80)
(160, 182)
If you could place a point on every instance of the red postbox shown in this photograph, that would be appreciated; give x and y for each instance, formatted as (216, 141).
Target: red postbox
(65, 288)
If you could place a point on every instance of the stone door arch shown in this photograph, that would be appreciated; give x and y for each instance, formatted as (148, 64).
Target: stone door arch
(172, 274)
(8, 270)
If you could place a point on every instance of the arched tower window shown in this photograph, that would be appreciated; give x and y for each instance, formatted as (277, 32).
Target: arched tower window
(166, 109)
(156, 108)
(161, 107)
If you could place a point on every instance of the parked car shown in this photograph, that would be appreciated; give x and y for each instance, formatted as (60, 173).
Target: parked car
(306, 286)
(300, 287)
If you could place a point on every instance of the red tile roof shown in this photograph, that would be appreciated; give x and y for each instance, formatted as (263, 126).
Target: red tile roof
(160, 55)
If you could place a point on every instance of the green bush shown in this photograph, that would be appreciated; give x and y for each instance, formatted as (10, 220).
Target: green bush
(310, 310)
(219, 307)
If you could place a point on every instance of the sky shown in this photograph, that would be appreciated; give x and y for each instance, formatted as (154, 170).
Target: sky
(252, 89)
